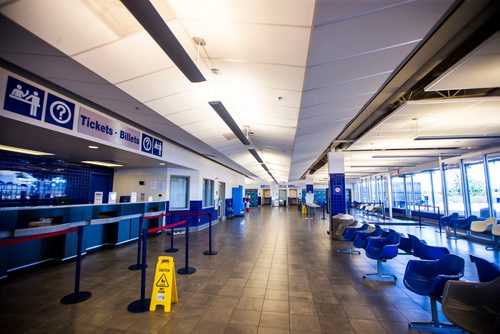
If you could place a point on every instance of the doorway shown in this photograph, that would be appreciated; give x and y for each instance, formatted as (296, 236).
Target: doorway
(221, 206)
(282, 197)
(266, 197)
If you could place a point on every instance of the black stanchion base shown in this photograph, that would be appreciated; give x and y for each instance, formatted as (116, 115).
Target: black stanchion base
(209, 253)
(171, 250)
(75, 298)
(139, 306)
(186, 271)
(136, 267)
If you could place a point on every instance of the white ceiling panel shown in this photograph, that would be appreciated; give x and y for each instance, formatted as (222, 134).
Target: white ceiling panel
(253, 74)
(377, 30)
(61, 23)
(277, 12)
(157, 85)
(357, 67)
(472, 116)
(181, 102)
(343, 90)
(138, 54)
(479, 69)
(332, 11)
(238, 42)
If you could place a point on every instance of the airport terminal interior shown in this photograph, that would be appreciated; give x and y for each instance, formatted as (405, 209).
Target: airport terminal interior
(250, 166)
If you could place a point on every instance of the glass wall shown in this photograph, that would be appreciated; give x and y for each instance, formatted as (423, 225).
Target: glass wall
(398, 192)
(494, 173)
(422, 191)
(437, 191)
(476, 185)
(454, 192)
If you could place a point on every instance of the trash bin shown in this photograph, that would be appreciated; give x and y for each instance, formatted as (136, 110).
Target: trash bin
(339, 223)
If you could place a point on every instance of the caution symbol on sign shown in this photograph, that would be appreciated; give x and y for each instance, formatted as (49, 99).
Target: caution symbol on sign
(162, 282)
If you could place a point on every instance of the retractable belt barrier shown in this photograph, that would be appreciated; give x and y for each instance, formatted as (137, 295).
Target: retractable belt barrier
(209, 215)
(137, 265)
(142, 304)
(77, 296)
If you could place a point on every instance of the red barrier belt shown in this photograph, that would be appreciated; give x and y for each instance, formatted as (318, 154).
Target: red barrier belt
(36, 237)
(156, 229)
(158, 216)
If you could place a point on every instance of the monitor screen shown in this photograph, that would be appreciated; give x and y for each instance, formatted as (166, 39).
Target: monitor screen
(124, 199)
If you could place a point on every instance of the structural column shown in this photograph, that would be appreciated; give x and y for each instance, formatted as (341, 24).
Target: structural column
(337, 183)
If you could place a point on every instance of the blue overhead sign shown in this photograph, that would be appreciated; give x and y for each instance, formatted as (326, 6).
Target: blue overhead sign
(23, 99)
(59, 112)
(42, 106)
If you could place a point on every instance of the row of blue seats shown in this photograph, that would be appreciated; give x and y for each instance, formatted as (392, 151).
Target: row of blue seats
(473, 224)
(434, 272)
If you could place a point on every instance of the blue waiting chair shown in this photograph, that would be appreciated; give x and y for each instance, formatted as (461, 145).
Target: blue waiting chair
(361, 238)
(382, 249)
(428, 278)
(486, 271)
(473, 306)
(349, 234)
(405, 245)
(427, 252)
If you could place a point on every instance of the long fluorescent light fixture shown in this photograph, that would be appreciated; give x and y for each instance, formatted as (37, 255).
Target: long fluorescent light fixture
(102, 163)
(447, 155)
(23, 150)
(226, 117)
(153, 23)
(256, 155)
(456, 137)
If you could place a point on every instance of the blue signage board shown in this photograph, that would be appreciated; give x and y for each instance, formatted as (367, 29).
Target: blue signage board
(157, 147)
(59, 111)
(147, 143)
(24, 99)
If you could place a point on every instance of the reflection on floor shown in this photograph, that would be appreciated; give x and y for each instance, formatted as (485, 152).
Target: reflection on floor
(275, 272)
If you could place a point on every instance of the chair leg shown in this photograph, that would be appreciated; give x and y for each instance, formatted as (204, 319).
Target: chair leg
(348, 250)
(454, 236)
(434, 323)
(495, 244)
(379, 273)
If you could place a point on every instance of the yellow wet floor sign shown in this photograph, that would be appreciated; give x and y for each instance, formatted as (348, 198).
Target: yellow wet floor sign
(164, 287)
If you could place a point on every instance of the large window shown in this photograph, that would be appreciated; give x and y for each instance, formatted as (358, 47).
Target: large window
(454, 189)
(208, 193)
(476, 185)
(422, 190)
(398, 192)
(494, 173)
(438, 191)
(179, 192)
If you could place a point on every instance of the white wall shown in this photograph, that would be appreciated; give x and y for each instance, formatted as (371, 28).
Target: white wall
(126, 180)
(157, 180)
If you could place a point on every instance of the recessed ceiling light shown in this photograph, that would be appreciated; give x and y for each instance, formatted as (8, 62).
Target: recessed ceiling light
(102, 163)
(93, 147)
(162, 164)
(23, 150)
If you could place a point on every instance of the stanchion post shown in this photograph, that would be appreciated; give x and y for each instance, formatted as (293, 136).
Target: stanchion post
(209, 251)
(439, 220)
(142, 305)
(172, 249)
(187, 270)
(77, 296)
(419, 217)
(137, 266)
(324, 206)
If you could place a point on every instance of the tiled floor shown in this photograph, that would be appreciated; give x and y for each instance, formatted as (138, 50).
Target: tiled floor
(275, 273)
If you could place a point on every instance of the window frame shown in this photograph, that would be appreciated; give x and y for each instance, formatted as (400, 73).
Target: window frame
(186, 177)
